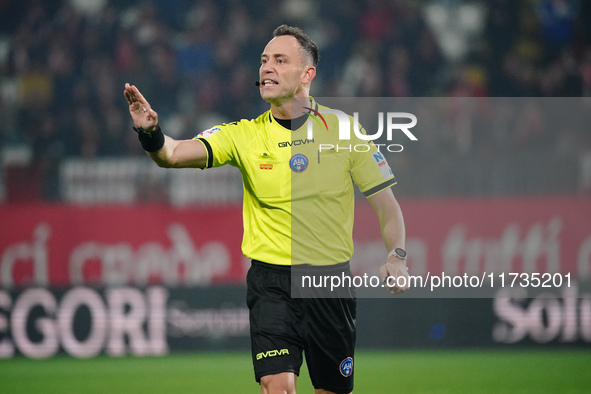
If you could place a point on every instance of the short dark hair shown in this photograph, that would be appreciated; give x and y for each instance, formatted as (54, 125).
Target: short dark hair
(309, 47)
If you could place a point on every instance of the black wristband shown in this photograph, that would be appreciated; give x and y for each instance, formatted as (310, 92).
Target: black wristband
(151, 141)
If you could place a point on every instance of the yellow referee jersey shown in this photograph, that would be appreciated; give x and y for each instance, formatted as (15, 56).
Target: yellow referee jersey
(298, 198)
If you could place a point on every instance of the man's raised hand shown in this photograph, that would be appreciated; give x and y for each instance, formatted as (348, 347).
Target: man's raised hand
(140, 110)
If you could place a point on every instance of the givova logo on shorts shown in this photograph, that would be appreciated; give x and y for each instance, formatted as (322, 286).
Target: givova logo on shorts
(346, 367)
(272, 353)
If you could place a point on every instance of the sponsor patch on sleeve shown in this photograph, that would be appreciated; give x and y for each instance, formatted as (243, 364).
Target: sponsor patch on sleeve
(385, 169)
(208, 133)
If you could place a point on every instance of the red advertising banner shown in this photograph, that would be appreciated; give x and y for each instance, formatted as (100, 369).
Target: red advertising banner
(56, 245)
(65, 245)
(457, 236)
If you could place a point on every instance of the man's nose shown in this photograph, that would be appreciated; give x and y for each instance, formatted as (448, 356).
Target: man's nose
(266, 67)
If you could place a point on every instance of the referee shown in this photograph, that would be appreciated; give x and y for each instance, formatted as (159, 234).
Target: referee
(297, 214)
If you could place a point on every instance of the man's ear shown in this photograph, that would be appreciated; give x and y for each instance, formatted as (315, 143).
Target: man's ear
(309, 74)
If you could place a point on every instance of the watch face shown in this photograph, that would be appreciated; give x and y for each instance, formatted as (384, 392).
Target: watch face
(400, 252)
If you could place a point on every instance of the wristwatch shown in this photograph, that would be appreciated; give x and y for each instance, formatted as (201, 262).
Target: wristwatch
(398, 252)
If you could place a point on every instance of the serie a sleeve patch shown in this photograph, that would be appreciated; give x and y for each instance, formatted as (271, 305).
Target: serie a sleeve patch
(207, 133)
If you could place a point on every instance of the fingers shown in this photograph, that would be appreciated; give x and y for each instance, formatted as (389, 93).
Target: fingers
(395, 277)
(402, 280)
(128, 97)
(142, 114)
(152, 116)
(133, 95)
(138, 96)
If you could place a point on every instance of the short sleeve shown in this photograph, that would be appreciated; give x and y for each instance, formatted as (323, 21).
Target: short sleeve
(370, 169)
(219, 144)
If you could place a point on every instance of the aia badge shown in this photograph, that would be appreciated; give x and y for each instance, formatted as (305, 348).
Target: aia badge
(346, 367)
(298, 162)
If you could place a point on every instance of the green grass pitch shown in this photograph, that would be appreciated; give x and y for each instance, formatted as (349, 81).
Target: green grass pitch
(474, 371)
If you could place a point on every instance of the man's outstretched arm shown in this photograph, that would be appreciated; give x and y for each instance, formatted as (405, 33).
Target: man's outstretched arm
(165, 151)
(394, 234)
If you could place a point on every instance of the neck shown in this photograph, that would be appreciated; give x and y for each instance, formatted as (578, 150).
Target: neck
(291, 108)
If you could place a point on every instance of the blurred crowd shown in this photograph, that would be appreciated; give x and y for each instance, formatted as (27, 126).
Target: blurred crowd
(63, 65)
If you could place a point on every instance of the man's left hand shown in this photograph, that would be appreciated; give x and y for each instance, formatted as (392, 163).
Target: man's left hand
(394, 274)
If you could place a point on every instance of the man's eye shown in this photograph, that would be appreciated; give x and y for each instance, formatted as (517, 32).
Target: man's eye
(280, 61)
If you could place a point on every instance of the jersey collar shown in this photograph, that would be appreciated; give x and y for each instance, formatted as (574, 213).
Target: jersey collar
(313, 102)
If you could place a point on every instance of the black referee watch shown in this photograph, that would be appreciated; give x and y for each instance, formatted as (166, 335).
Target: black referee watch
(398, 252)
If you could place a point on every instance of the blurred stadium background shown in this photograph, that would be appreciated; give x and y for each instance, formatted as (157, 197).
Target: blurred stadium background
(104, 255)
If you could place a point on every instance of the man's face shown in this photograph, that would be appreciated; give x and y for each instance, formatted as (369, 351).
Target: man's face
(281, 70)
